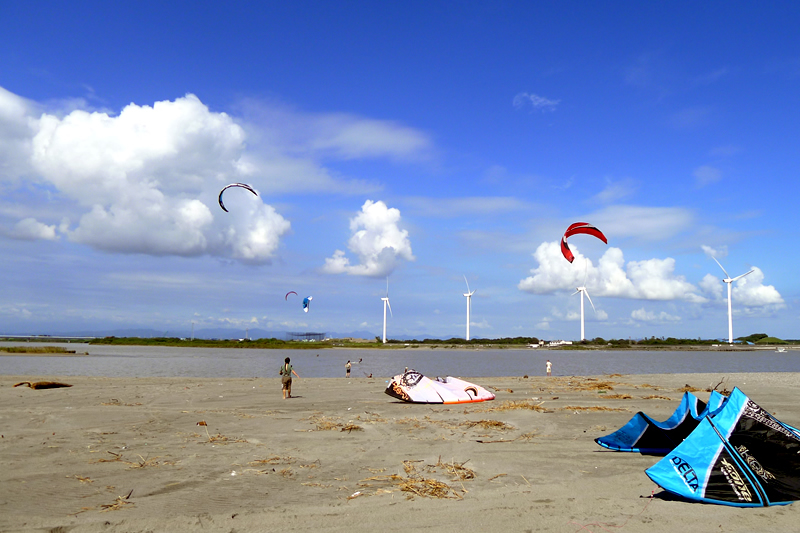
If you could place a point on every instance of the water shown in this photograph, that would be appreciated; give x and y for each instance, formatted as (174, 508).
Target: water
(156, 361)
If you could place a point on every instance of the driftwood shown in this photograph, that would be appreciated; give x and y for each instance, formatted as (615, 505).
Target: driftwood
(43, 384)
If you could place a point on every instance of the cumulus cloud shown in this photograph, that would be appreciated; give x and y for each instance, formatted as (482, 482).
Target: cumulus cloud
(719, 252)
(145, 180)
(652, 279)
(30, 229)
(18, 125)
(377, 240)
(747, 292)
(535, 102)
(641, 315)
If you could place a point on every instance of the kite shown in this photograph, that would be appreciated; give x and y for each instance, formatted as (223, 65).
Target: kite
(287, 295)
(647, 436)
(411, 386)
(243, 185)
(740, 455)
(575, 229)
(306, 302)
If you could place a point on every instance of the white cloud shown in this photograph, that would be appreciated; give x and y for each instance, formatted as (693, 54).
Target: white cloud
(616, 190)
(652, 279)
(31, 229)
(649, 316)
(144, 181)
(17, 127)
(377, 240)
(650, 223)
(706, 175)
(466, 206)
(719, 252)
(535, 102)
(747, 292)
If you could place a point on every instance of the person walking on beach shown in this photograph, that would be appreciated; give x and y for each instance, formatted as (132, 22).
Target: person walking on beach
(549, 366)
(286, 380)
(347, 369)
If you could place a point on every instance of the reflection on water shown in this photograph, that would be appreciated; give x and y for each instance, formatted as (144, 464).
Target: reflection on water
(154, 361)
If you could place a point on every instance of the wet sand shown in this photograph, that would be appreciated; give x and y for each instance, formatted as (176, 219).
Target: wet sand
(116, 454)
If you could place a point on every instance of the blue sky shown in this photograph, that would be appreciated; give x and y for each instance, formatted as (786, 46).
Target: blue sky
(423, 141)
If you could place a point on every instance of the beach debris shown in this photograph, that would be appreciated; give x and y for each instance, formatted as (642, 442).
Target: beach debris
(509, 405)
(43, 384)
(120, 503)
(580, 408)
(724, 390)
(417, 481)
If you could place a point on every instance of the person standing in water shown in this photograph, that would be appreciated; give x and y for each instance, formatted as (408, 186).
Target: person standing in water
(286, 380)
(549, 366)
(347, 369)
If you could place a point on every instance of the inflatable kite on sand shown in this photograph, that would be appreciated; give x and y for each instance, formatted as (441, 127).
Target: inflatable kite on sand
(740, 455)
(411, 386)
(645, 435)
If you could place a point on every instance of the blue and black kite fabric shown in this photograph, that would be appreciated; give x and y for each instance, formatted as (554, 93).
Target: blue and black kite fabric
(644, 435)
(739, 455)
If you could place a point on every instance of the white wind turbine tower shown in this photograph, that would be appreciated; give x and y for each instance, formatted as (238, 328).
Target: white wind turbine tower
(583, 291)
(729, 280)
(385, 305)
(469, 303)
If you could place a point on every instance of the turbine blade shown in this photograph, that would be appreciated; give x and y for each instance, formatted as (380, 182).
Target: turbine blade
(576, 292)
(743, 275)
(720, 265)
(590, 300)
(467, 282)
(387, 286)
(390, 307)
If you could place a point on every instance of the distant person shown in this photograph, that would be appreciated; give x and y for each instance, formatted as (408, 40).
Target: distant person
(286, 380)
(549, 367)
(347, 369)
(360, 359)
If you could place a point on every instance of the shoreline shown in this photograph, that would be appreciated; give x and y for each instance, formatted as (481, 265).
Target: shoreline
(335, 457)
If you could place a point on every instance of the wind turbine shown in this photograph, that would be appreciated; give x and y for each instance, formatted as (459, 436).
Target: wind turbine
(385, 305)
(469, 303)
(583, 290)
(729, 280)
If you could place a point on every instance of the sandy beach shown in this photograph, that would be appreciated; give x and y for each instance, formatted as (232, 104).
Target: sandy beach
(116, 454)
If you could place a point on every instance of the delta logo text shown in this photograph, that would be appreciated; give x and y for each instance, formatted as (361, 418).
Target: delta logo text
(686, 472)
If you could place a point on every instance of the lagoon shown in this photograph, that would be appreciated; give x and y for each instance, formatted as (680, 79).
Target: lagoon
(159, 361)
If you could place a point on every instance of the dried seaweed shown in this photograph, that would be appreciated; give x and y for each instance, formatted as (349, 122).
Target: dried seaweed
(592, 408)
(509, 405)
(120, 503)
